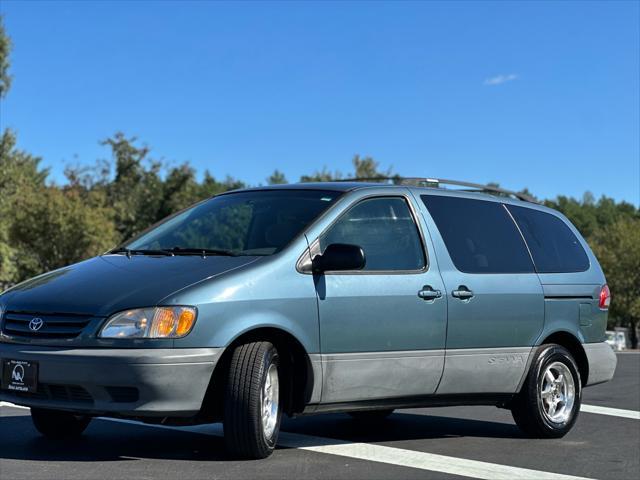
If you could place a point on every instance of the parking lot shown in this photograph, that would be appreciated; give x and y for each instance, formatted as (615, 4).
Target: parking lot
(452, 442)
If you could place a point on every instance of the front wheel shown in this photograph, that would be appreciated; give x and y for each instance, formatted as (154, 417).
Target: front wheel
(549, 402)
(58, 424)
(252, 410)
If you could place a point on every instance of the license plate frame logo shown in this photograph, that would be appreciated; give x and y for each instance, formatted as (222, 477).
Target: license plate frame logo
(20, 376)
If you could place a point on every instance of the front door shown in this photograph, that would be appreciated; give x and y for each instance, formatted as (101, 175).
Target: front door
(382, 329)
(495, 299)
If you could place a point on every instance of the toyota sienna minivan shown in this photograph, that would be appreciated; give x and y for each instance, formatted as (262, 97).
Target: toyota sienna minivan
(326, 297)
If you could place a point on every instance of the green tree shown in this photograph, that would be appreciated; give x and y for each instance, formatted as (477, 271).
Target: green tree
(136, 193)
(20, 176)
(363, 167)
(210, 186)
(323, 175)
(55, 227)
(277, 178)
(618, 250)
(180, 189)
(367, 167)
(527, 192)
(5, 50)
(231, 183)
(589, 215)
(141, 195)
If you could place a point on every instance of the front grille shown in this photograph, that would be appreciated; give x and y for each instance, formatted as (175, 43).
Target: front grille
(61, 393)
(58, 325)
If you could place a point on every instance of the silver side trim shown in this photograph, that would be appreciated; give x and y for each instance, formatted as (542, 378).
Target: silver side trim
(602, 362)
(484, 370)
(316, 366)
(526, 369)
(351, 377)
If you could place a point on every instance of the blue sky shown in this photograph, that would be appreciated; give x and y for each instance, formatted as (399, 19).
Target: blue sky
(543, 94)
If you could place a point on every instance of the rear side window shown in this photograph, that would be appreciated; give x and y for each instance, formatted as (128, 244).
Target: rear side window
(553, 245)
(480, 236)
(386, 231)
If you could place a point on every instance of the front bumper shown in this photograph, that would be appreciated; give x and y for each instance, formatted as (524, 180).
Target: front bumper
(602, 362)
(124, 382)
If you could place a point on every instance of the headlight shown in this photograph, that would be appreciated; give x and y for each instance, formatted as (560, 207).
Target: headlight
(155, 322)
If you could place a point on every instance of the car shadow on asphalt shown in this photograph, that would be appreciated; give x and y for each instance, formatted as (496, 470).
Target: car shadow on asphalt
(111, 441)
(397, 427)
(106, 441)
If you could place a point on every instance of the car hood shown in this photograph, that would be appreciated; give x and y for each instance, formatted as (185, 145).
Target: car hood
(103, 285)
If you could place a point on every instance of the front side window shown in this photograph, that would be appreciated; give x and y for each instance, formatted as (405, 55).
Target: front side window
(386, 231)
(243, 223)
(553, 245)
(480, 236)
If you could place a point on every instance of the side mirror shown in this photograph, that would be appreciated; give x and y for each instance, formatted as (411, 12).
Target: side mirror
(339, 257)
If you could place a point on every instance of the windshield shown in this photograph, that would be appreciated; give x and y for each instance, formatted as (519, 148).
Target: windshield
(244, 223)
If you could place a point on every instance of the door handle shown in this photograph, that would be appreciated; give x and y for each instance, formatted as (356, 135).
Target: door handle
(463, 293)
(428, 293)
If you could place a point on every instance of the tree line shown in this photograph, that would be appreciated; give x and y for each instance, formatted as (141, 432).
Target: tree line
(44, 225)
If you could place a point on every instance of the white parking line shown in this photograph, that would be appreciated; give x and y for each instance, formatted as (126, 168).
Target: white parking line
(414, 459)
(615, 412)
(7, 404)
(382, 454)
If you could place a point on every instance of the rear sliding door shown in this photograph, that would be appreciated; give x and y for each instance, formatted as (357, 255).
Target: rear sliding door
(495, 300)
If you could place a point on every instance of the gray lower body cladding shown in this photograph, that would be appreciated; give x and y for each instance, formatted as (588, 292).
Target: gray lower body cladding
(158, 383)
(122, 382)
(602, 362)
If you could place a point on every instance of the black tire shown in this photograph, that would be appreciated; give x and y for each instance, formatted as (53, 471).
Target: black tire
(528, 407)
(245, 435)
(371, 415)
(58, 424)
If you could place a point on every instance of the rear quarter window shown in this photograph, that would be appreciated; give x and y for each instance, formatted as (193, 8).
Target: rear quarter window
(480, 236)
(554, 247)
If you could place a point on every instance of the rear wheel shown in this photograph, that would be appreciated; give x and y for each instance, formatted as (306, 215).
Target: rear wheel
(549, 402)
(252, 410)
(371, 415)
(59, 424)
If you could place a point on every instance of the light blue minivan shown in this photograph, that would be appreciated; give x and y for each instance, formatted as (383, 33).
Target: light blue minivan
(326, 297)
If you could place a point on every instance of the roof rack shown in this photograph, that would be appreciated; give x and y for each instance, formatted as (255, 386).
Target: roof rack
(437, 182)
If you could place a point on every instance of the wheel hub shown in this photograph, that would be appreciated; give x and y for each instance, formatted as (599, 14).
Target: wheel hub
(270, 399)
(557, 393)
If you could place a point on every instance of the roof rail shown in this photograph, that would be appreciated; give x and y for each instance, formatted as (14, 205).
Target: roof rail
(437, 182)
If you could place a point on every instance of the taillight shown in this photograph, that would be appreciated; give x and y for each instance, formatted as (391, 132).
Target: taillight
(605, 297)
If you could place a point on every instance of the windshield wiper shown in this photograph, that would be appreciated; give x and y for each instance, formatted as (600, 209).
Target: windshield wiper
(202, 251)
(128, 252)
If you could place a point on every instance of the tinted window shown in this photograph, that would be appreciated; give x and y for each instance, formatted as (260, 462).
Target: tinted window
(553, 245)
(246, 223)
(386, 231)
(480, 236)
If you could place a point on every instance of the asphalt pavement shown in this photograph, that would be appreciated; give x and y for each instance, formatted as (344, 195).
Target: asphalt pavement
(451, 442)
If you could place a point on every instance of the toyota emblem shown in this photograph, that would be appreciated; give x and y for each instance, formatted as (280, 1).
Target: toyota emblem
(36, 324)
